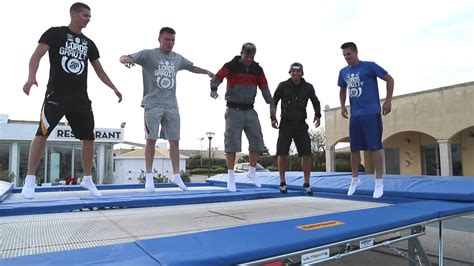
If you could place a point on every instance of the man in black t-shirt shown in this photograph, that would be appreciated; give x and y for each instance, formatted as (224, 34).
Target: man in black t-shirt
(294, 94)
(66, 94)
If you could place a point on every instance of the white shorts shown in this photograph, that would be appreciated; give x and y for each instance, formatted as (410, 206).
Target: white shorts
(169, 120)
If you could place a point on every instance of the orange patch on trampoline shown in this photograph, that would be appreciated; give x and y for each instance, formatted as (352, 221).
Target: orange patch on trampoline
(319, 225)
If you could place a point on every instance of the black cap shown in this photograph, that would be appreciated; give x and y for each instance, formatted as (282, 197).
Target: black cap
(249, 48)
(296, 65)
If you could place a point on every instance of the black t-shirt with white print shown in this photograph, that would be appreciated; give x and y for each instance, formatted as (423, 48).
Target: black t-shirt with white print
(68, 55)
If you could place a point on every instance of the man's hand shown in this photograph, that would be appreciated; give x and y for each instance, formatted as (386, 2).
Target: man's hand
(387, 107)
(127, 61)
(275, 123)
(27, 86)
(344, 112)
(119, 95)
(210, 74)
(214, 94)
(317, 121)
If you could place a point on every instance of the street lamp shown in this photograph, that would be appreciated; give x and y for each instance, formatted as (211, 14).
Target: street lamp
(209, 136)
(200, 151)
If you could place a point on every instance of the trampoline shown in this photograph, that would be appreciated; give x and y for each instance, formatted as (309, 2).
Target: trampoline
(208, 225)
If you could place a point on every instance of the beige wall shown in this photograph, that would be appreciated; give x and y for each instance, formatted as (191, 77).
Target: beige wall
(423, 117)
(467, 148)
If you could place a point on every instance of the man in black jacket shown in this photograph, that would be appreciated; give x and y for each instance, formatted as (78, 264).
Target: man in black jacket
(294, 94)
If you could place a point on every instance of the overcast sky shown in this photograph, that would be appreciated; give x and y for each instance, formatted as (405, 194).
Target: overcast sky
(422, 44)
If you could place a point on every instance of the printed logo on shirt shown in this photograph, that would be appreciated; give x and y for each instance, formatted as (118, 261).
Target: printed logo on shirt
(165, 74)
(354, 85)
(74, 53)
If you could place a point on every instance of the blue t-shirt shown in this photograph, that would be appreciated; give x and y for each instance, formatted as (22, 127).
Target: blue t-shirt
(361, 82)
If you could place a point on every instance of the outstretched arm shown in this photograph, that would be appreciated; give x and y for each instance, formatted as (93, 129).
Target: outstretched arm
(35, 59)
(199, 70)
(103, 76)
(127, 61)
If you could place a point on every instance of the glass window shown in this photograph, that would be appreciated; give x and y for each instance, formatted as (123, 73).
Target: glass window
(457, 160)
(108, 167)
(59, 163)
(4, 162)
(24, 149)
(392, 161)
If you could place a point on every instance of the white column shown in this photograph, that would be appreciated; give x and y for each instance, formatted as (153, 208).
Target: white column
(330, 159)
(100, 163)
(445, 159)
(14, 160)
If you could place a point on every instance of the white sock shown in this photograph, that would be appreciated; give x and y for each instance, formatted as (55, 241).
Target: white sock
(252, 170)
(176, 179)
(30, 180)
(149, 177)
(231, 181)
(378, 190)
(352, 188)
(88, 184)
(150, 183)
(28, 191)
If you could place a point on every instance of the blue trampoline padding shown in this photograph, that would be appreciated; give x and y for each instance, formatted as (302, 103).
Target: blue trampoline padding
(443, 208)
(416, 187)
(253, 242)
(67, 202)
(108, 187)
(5, 190)
(119, 254)
(250, 242)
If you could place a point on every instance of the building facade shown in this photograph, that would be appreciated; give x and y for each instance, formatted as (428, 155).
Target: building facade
(427, 133)
(129, 166)
(61, 162)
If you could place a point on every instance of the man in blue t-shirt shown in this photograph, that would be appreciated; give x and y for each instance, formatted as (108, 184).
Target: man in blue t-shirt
(365, 124)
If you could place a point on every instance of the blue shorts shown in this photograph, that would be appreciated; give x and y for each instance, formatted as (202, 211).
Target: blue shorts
(365, 132)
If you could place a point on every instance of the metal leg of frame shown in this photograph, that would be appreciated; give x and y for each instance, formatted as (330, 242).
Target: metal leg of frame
(411, 252)
(441, 245)
(421, 256)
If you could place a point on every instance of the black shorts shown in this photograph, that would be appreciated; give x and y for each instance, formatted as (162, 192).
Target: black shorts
(301, 137)
(78, 114)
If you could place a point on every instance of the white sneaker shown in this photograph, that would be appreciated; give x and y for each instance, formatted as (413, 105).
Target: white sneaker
(378, 191)
(176, 179)
(28, 191)
(89, 185)
(352, 188)
(150, 187)
(231, 183)
(253, 177)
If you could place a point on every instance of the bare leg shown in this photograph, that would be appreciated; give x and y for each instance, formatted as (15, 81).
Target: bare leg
(253, 164)
(378, 163)
(355, 162)
(306, 165)
(282, 163)
(230, 160)
(87, 155)
(34, 158)
(174, 155)
(36, 153)
(149, 154)
(254, 158)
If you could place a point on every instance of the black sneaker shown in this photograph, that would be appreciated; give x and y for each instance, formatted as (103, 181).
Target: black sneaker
(307, 189)
(283, 188)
